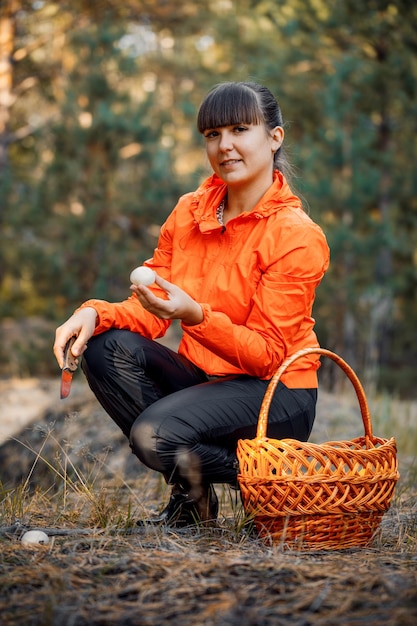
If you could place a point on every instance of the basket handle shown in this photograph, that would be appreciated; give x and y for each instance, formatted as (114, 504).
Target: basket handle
(266, 403)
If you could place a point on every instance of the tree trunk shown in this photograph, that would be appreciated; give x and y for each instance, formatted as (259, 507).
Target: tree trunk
(6, 76)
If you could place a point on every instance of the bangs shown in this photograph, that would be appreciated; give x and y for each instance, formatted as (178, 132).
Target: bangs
(229, 104)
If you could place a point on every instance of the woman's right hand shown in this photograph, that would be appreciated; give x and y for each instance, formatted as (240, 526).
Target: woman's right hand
(80, 325)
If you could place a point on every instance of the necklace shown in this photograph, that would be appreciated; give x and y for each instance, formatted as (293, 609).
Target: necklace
(220, 211)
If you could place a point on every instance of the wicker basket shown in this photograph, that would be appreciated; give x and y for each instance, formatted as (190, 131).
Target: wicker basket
(317, 496)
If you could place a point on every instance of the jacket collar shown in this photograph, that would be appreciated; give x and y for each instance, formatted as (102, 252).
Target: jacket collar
(209, 195)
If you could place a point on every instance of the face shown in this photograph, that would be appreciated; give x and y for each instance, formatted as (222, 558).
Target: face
(243, 153)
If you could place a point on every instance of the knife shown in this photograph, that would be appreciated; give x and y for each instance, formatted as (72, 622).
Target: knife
(68, 369)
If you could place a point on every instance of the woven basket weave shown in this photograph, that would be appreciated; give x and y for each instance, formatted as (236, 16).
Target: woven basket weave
(317, 496)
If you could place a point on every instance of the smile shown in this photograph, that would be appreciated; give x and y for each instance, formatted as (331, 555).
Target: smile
(230, 162)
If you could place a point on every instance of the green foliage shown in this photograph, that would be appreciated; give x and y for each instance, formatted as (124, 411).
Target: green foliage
(102, 141)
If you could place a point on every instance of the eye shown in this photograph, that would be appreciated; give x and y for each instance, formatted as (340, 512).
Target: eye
(239, 128)
(209, 134)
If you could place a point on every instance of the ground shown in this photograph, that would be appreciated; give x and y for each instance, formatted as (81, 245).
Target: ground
(83, 487)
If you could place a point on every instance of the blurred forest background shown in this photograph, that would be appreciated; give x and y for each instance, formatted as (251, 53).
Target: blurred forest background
(98, 101)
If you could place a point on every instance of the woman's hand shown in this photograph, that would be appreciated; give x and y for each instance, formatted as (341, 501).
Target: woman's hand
(80, 325)
(179, 304)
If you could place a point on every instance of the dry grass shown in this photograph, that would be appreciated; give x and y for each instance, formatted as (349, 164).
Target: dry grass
(101, 569)
(120, 574)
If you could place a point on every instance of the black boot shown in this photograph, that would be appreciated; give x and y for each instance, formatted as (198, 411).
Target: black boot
(183, 510)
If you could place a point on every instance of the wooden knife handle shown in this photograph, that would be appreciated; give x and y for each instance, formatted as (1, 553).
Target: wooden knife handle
(70, 361)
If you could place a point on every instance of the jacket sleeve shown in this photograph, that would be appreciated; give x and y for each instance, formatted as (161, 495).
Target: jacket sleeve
(279, 322)
(129, 315)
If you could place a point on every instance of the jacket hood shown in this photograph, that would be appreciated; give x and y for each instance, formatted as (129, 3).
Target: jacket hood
(209, 195)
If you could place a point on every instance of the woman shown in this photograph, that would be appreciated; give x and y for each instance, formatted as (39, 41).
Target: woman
(237, 262)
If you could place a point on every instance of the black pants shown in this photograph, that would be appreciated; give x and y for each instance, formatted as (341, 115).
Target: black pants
(165, 404)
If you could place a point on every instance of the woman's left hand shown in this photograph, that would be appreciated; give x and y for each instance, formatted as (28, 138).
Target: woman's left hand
(178, 306)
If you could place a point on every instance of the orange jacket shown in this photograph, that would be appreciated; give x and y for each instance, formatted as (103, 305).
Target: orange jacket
(255, 281)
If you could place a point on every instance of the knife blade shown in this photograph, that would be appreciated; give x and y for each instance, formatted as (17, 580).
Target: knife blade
(68, 369)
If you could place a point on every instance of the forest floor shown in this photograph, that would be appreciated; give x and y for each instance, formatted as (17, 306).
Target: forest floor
(64, 468)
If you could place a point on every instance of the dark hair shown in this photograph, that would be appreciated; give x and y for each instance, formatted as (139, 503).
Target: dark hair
(243, 103)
